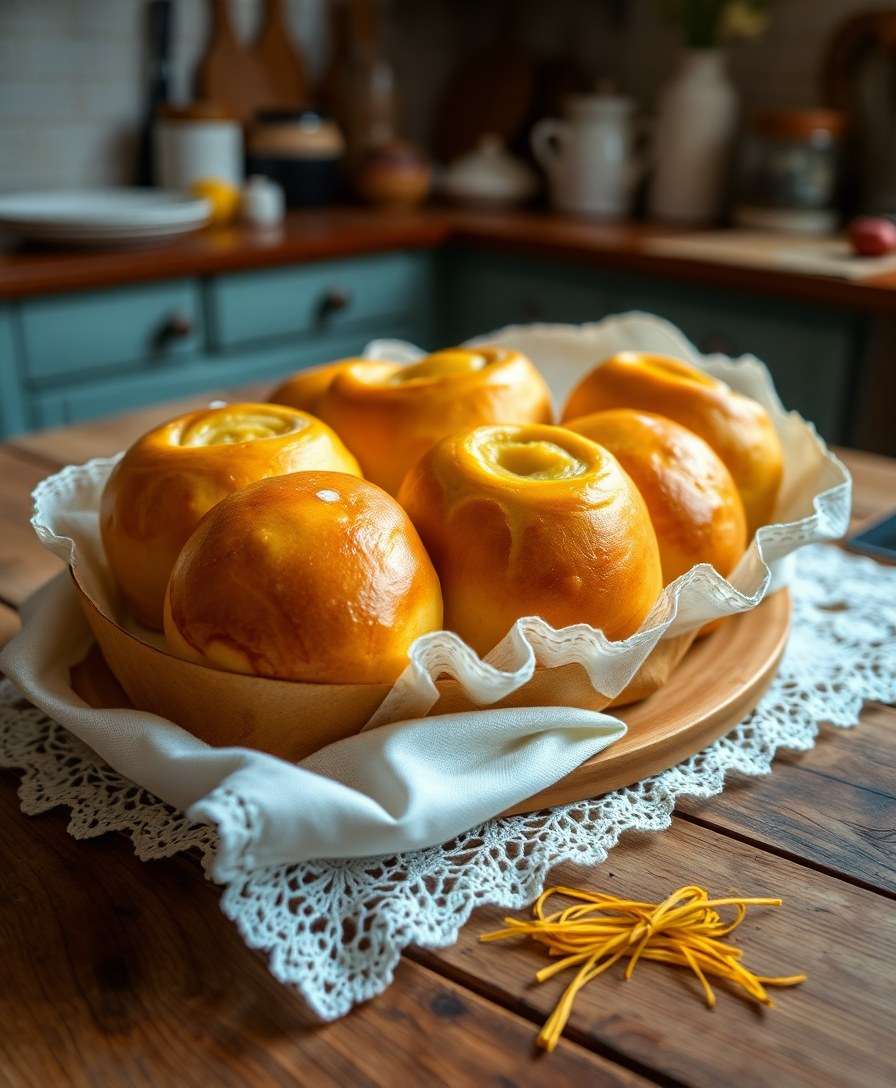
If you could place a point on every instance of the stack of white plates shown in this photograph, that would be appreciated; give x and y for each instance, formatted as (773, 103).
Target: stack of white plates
(111, 217)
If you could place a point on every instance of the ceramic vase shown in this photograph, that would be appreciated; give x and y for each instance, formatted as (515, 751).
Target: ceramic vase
(695, 126)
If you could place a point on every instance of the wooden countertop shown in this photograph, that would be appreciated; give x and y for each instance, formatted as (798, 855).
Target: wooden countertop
(338, 232)
(119, 971)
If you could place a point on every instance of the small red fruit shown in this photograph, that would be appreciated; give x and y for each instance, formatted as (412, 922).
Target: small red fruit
(872, 237)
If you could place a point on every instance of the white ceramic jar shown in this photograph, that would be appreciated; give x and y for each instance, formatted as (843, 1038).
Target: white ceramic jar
(590, 157)
(196, 142)
(695, 126)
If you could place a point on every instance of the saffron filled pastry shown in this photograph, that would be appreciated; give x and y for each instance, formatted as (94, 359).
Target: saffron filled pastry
(389, 414)
(170, 477)
(694, 505)
(736, 427)
(316, 576)
(532, 519)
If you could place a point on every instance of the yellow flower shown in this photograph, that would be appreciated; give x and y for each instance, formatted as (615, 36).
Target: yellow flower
(742, 19)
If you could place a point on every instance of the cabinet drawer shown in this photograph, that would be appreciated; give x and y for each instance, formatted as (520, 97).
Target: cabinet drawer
(79, 334)
(109, 396)
(318, 299)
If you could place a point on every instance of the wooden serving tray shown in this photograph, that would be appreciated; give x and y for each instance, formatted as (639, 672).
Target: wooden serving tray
(719, 681)
(716, 685)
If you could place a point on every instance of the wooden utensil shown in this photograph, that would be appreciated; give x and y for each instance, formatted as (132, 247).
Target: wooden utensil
(228, 74)
(279, 60)
(245, 79)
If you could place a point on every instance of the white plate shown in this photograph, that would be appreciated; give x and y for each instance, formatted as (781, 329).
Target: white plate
(101, 216)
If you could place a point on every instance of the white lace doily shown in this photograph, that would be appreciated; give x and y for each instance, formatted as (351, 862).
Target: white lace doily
(335, 930)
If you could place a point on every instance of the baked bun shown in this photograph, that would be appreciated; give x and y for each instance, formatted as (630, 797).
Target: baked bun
(737, 428)
(316, 576)
(694, 505)
(171, 476)
(305, 389)
(525, 520)
(389, 415)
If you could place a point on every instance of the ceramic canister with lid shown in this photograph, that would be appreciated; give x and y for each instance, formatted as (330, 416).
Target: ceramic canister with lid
(300, 150)
(195, 143)
(788, 171)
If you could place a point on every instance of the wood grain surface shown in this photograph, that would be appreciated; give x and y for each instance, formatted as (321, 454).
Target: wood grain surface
(123, 972)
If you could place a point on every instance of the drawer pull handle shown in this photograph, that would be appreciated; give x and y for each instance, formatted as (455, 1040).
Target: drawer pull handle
(176, 326)
(332, 302)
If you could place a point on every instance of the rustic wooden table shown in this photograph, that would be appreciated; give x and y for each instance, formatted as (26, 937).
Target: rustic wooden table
(121, 972)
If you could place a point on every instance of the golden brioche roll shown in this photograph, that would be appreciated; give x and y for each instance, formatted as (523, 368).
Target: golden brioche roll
(737, 428)
(389, 415)
(316, 576)
(304, 389)
(171, 476)
(531, 519)
(693, 502)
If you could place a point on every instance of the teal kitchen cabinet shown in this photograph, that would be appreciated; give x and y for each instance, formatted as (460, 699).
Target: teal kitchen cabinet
(488, 290)
(88, 400)
(129, 328)
(78, 356)
(249, 308)
(12, 407)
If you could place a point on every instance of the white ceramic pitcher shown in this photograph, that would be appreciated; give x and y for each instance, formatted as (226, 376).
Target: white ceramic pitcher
(590, 158)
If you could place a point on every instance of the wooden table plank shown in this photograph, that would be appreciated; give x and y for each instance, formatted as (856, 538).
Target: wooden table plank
(834, 805)
(117, 971)
(834, 1029)
(874, 483)
(24, 563)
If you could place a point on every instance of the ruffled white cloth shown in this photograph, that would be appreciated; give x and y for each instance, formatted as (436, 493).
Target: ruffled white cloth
(415, 781)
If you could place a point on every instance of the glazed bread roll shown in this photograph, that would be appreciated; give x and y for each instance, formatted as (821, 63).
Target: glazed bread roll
(171, 476)
(525, 520)
(305, 389)
(737, 428)
(694, 505)
(389, 415)
(316, 576)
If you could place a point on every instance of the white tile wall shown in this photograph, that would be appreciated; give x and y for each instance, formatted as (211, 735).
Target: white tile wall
(71, 81)
(71, 71)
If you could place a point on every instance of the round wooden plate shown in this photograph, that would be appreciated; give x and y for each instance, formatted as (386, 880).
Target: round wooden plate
(719, 681)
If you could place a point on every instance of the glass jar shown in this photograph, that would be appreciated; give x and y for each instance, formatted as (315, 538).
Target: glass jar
(788, 171)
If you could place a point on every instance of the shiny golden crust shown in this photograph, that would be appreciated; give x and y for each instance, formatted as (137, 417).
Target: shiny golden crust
(305, 389)
(693, 502)
(531, 519)
(316, 576)
(389, 415)
(736, 427)
(171, 476)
